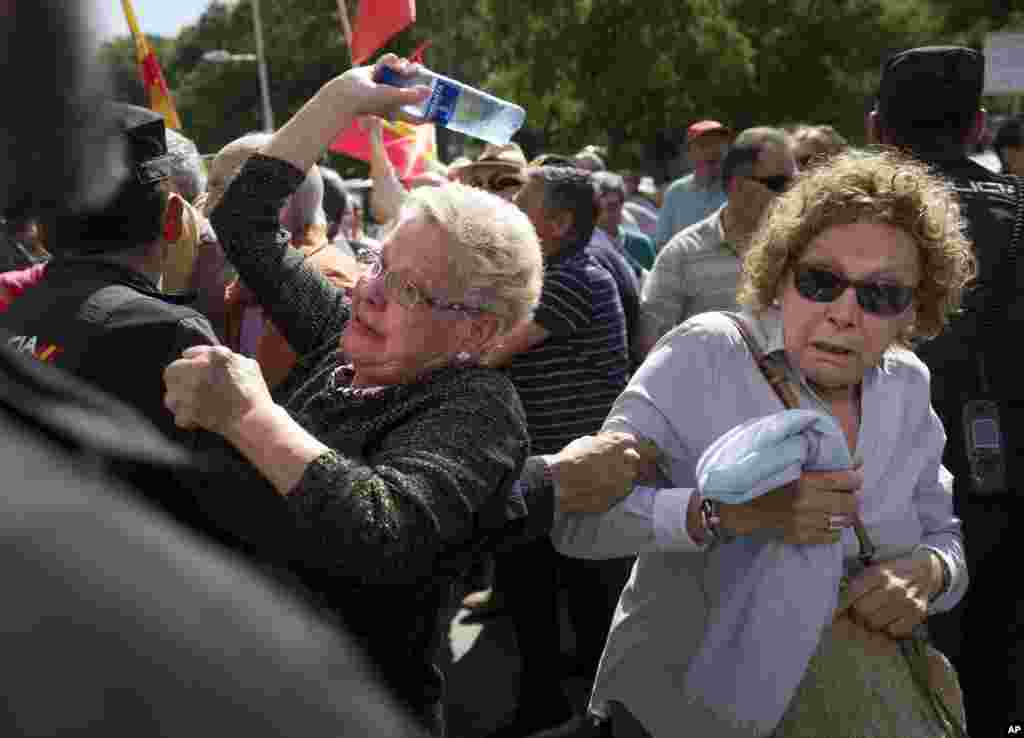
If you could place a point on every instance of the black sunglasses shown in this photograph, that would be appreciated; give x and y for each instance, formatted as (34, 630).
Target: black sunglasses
(776, 184)
(880, 298)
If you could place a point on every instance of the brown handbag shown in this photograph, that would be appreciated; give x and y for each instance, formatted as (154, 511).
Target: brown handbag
(860, 683)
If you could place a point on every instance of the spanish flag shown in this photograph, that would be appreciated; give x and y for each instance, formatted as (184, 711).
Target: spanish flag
(376, 22)
(149, 69)
(409, 148)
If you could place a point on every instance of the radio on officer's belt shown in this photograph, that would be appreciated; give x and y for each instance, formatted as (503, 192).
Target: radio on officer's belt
(984, 443)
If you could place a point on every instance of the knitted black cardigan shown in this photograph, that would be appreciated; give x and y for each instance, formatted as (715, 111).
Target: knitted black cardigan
(417, 477)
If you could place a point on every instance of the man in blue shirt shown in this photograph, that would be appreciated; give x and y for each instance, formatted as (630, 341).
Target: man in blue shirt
(697, 195)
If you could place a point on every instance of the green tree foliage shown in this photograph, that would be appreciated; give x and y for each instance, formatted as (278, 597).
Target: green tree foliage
(628, 74)
(612, 71)
(967, 21)
(220, 102)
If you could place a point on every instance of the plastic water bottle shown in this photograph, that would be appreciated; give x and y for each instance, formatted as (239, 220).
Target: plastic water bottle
(460, 107)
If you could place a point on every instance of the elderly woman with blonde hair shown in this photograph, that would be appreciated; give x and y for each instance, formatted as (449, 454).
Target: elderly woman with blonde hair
(389, 452)
(859, 258)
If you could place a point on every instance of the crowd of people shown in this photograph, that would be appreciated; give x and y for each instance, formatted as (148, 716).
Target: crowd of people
(733, 420)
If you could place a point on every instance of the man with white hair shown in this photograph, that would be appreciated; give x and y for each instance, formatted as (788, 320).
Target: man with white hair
(188, 177)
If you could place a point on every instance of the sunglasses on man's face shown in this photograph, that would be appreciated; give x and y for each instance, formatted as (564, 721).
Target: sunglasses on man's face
(776, 184)
(879, 298)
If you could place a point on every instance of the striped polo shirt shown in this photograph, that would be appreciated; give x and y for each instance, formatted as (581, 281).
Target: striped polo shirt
(568, 383)
(696, 272)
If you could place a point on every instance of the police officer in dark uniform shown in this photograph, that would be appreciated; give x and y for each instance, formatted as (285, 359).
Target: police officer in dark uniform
(116, 619)
(99, 311)
(928, 103)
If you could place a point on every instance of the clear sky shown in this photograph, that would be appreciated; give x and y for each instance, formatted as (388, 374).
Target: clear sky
(156, 17)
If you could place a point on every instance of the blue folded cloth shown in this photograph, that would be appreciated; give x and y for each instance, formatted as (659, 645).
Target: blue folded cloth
(766, 453)
(767, 601)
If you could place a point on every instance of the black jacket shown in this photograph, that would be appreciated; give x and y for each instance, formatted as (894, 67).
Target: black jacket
(992, 308)
(119, 620)
(110, 326)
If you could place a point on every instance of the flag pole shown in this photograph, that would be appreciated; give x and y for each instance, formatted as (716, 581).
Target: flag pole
(261, 68)
(151, 74)
(346, 26)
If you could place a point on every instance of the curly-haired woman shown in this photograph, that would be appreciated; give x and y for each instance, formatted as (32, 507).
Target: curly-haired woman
(861, 256)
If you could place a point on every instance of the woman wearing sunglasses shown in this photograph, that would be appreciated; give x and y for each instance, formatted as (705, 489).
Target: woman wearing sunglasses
(856, 260)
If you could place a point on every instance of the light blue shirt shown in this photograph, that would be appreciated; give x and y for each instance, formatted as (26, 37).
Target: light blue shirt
(698, 383)
(685, 204)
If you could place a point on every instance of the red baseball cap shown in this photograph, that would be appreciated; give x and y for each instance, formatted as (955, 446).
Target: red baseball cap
(701, 127)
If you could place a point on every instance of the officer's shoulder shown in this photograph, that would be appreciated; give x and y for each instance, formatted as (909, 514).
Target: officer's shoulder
(136, 306)
(971, 178)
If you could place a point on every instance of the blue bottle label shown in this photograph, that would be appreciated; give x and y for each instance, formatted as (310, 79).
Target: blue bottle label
(441, 105)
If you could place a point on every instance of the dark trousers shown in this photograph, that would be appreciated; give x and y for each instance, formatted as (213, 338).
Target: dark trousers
(530, 577)
(982, 636)
(593, 588)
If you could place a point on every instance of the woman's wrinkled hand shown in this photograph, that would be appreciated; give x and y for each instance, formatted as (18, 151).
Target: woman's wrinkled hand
(363, 95)
(892, 597)
(813, 509)
(213, 388)
(594, 472)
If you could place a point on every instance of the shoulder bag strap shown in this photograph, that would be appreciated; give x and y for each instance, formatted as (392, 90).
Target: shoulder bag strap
(773, 372)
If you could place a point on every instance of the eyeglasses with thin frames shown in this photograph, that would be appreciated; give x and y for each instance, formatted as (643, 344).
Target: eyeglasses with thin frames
(406, 293)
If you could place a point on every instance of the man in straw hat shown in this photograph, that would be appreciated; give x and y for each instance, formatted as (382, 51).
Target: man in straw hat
(498, 169)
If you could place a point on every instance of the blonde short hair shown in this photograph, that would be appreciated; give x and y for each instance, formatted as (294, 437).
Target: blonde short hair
(494, 254)
(866, 187)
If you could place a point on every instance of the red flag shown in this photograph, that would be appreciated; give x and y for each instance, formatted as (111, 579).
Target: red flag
(376, 22)
(409, 148)
(149, 69)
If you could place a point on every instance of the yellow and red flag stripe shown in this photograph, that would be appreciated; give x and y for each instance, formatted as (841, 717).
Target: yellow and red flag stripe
(152, 75)
(409, 148)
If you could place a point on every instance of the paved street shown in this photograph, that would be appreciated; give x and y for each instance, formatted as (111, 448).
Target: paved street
(483, 675)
